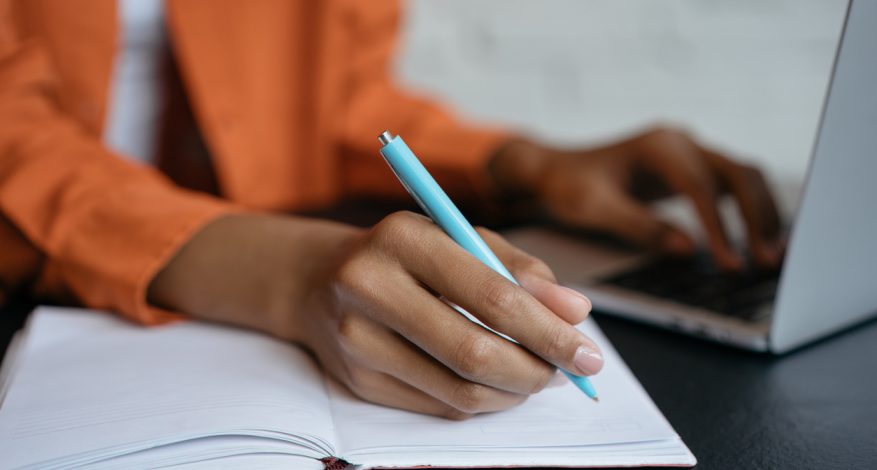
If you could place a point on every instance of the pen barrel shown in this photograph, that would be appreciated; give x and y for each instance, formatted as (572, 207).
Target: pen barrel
(437, 205)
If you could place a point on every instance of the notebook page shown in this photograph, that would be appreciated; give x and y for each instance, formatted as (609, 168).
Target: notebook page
(556, 419)
(14, 350)
(213, 452)
(9, 363)
(94, 386)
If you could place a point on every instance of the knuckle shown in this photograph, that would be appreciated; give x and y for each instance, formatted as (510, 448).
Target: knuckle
(355, 279)
(746, 177)
(664, 137)
(750, 173)
(397, 228)
(542, 377)
(500, 295)
(400, 218)
(358, 383)
(666, 133)
(555, 344)
(356, 340)
(469, 397)
(520, 400)
(474, 356)
(455, 414)
(535, 266)
(590, 204)
(348, 330)
(484, 231)
(349, 273)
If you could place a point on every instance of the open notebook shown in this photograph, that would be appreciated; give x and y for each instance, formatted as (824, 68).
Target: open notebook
(84, 388)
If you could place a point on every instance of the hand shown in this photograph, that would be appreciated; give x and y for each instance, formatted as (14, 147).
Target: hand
(367, 304)
(607, 188)
(383, 331)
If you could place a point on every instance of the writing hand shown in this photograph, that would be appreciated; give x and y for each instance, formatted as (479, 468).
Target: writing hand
(367, 304)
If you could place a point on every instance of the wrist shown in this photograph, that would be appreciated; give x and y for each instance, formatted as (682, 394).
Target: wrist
(314, 249)
(250, 270)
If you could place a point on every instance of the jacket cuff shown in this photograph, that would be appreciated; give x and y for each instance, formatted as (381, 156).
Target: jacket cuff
(120, 246)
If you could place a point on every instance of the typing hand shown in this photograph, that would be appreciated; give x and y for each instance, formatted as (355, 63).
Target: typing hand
(367, 304)
(606, 189)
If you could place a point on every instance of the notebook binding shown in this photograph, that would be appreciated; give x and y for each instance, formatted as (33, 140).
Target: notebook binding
(334, 463)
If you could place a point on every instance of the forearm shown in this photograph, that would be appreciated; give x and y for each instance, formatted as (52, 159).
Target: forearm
(251, 270)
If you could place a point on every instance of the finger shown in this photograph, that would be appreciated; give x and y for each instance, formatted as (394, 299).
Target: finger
(470, 351)
(570, 305)
(620, 214)
(388, 391)
(538, 279)
(516, 260)
(757, 206)
(503, 306)
(678, 160)
(385, 351)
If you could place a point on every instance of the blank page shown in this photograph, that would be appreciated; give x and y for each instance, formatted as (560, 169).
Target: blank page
(554, 427)
(90, 386)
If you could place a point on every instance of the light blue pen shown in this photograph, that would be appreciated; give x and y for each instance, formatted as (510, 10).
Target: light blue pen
(438, 206)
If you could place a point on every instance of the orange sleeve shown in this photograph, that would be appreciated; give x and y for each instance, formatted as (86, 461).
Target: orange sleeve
(456, 153)
(103, 226)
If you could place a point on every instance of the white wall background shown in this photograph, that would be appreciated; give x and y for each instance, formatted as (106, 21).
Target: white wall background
(747, 76)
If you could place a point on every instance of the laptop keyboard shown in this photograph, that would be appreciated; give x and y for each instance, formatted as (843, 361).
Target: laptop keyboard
(698, 283)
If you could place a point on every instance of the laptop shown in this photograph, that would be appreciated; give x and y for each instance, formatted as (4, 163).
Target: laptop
(828, 279)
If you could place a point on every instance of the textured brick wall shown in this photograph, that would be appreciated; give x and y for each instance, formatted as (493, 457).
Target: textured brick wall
(745, 75)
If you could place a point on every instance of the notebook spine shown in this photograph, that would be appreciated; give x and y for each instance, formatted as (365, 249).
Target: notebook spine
(335, 463)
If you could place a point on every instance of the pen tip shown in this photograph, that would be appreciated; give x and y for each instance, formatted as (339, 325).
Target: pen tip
(596, 399)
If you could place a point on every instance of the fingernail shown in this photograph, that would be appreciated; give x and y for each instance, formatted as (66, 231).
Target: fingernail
(587, 361)
(578, 295)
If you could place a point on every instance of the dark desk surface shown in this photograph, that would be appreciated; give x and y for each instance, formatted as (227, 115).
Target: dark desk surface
(814, 408)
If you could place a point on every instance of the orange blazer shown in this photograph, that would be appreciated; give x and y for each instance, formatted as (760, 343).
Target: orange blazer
(289, 94)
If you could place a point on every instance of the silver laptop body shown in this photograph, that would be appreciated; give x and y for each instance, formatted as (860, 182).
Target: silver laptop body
(828, 280)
